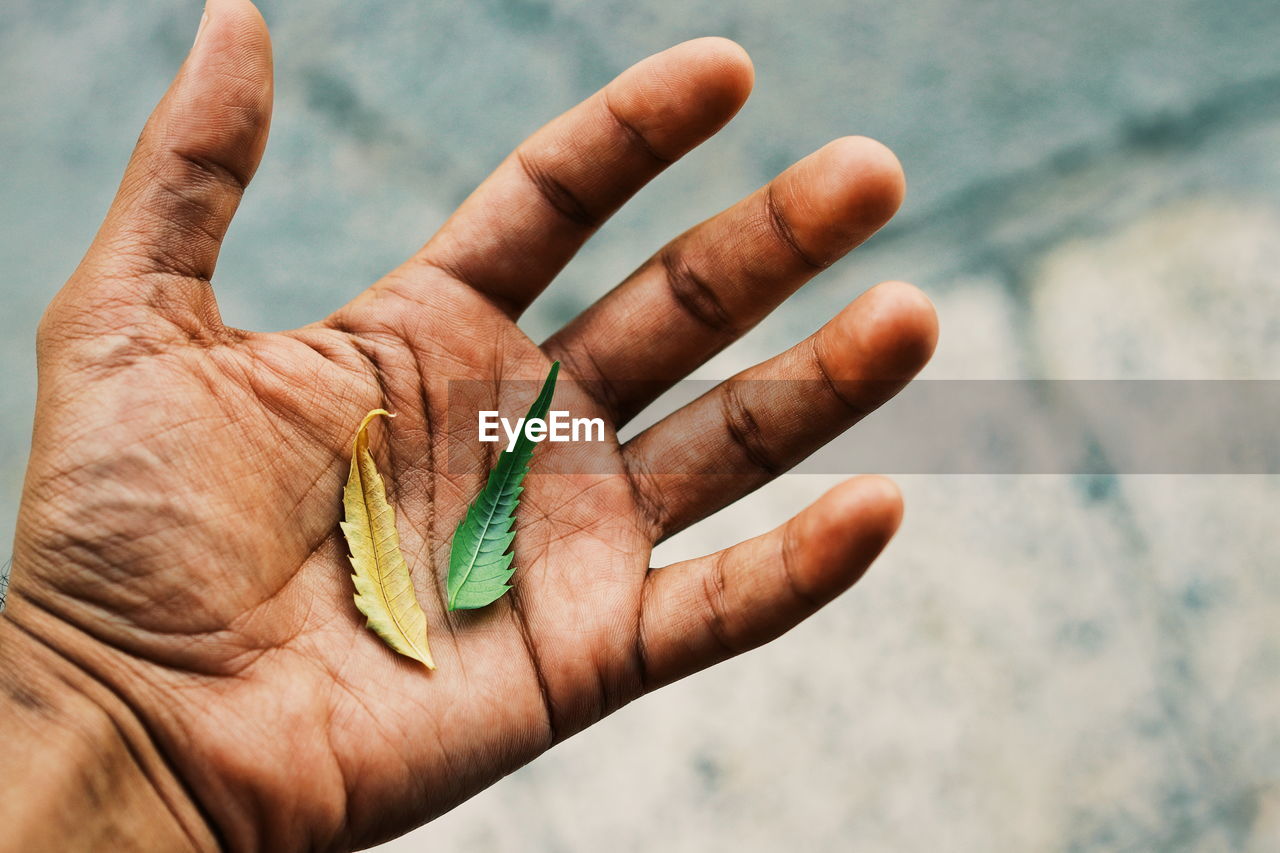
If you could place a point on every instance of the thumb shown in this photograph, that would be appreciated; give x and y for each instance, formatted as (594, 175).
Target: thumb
(157, 249)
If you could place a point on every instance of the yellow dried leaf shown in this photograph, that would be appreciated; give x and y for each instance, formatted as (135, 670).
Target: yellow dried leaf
(384, 590)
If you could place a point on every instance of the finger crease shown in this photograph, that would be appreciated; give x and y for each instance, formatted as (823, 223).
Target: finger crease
(857, 410)
(696, 296)
(593, 382)
(634, 134)
(714, 591)
(644, 490)
(215, 170)
(640, 649)
(788, 557)
(745, 431)
(557, 194)
(778, 223)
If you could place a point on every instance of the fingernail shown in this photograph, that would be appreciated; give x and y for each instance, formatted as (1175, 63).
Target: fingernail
(204, 19)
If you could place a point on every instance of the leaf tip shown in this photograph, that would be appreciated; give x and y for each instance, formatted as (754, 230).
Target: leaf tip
(373, 413)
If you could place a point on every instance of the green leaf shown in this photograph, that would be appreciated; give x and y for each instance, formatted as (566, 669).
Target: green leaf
(479, 560)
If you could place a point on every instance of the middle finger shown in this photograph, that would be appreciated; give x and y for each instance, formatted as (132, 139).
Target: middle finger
(709, 286)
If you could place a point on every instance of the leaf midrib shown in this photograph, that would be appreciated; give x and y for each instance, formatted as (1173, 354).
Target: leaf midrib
(475, 555)
(377, 557)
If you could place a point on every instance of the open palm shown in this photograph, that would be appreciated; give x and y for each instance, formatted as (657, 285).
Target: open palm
(178, 534)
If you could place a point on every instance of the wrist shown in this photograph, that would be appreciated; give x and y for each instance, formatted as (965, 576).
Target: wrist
(77, 770)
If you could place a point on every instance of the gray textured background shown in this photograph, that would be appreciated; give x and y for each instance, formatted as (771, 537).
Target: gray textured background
(1038, 663)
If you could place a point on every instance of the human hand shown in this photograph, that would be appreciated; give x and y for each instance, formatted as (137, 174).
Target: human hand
(177, 561)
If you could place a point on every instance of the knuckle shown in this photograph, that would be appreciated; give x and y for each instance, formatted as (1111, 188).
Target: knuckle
(715, 595)
(696, 296)
(745, 431)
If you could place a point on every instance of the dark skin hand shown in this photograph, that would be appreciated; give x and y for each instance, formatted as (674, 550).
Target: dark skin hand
(181, 655)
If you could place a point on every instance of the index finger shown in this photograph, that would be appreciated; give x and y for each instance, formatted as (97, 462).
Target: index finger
(524, 223)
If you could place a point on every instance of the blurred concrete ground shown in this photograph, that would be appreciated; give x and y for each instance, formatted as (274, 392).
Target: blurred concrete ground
(1038, 663)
